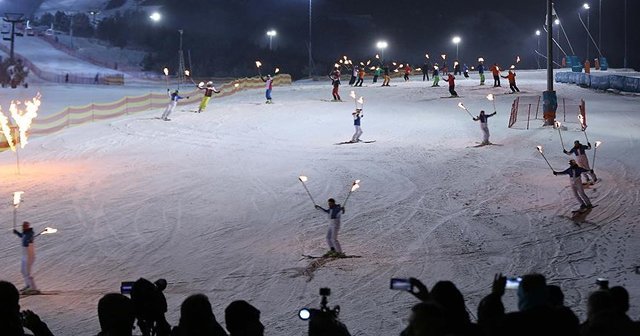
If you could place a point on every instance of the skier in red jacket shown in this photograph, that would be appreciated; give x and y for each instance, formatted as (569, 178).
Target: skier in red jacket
(452, 85)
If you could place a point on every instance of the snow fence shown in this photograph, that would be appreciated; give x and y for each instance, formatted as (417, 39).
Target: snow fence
(77, 115)
(600, 82)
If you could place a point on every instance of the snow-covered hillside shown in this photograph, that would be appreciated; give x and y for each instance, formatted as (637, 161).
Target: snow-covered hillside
(211, 202)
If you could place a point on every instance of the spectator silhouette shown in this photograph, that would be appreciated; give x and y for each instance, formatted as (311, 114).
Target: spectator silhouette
(535, 315)
(243, 319)
(556, 302)
(116, 315)
(427, 319)
(197, 318)
(490, 309)
(457, 321)
(12, 320)
(324, 323)
(149, 306)
(620, 300)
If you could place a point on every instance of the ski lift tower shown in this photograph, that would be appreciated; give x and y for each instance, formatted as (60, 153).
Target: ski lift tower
(13, 18)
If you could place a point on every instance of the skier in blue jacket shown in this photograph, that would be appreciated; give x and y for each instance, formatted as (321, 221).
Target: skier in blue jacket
(481, 72)
(28, 257)
(334, 211)
(574, 171)
(357, 116)
(174, 96)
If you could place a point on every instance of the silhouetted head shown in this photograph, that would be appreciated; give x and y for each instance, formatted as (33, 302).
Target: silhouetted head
(620, 298)
(26, 226)
(427, 318)
(532, 292)
(482, 112)
(115, 313)
(556, 297)
(10, 309)
(447, 295)
(331, 202)
(243, 319)
(599, 301)
(196, 317)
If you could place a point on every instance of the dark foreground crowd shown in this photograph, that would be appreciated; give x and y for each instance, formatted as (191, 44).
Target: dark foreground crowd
(441, 312)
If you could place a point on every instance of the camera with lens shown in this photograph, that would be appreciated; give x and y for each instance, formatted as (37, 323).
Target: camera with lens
(602, 283)
(324, 321)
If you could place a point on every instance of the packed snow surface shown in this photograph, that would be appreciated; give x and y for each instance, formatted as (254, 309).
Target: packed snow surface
(212, 202)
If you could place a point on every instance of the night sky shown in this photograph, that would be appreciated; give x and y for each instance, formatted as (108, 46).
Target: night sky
(498, 30)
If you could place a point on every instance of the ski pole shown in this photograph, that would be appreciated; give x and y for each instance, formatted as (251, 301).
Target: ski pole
(460, 105)
(302, 180)
(558, 125)
(492, 98)
(354, 186)
(595, 149)
(583, 126)
(539, 148)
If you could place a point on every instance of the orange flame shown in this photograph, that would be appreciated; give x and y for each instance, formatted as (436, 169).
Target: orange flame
(6, 130)
(24, 118)
(18, 194)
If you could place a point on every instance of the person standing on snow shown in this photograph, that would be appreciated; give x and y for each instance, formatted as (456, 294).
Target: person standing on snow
(269, 86)
(511, 76)
(451, 79)
(387, 77)
(335, 82)
(354, 75)
(425, 71)
(208, 92)
(172, 104)
(377, 74)
(574, 171)
(465, 70)
(436, 75)
(360, 77)
(581, 158)
(495, 70)
(484, 126)
(456, 68)
(407, 72)
(334, 211)
(357, 116)
(28, 257)
(481, 72)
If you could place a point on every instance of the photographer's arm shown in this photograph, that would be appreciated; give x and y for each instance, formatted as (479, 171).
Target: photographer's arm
(33, 323)
(419, 290)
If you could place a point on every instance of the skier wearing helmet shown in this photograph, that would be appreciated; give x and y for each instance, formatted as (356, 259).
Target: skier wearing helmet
(208, 92)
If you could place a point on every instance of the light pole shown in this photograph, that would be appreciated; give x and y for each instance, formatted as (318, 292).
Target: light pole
(600, 25)
(271, 34)
(310, 57)
(625, 34)
(550, 99)
(382, 45)
(538, 48)
(588, 8)
(456, 40)
(13, 18)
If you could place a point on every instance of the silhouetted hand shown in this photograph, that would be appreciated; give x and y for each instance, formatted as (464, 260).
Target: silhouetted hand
(317, 206)
(555, 173)
(419, 290)
(343, 209)
(499, 283)
(565, 151)
(589, 144)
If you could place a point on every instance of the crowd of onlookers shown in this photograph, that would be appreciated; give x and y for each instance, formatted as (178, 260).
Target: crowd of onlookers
(441, 312)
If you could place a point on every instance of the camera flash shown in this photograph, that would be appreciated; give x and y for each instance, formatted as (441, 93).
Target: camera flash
(304, 314)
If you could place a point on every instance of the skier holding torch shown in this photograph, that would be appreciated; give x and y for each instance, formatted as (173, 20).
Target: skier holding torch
(208, 92)
(484, 126)
(581, 158)
(28, 258)
(334, 211)
(574, 171)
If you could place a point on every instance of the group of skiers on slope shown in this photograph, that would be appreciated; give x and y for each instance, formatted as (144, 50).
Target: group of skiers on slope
(209, 90)
(578, 167)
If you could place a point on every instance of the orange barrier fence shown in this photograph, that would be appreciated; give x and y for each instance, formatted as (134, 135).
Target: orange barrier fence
(77, 115)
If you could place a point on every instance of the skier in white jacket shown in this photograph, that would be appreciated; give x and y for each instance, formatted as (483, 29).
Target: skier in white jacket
(172, 104)
(581, 158)
(334, 211)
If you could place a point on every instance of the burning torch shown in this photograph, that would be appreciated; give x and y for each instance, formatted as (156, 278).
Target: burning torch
(166, 76)
(302, 180)
(539, 148)
(46, 231)
(187, 73)
(355, 185)
(17, 195)
(461, 105)
(558, 126)
(258, 65)
(492, 98)
(583, 125)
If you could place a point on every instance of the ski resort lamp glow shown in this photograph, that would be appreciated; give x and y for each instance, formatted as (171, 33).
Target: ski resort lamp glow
(155, 17)
(537, 32)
